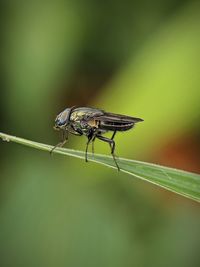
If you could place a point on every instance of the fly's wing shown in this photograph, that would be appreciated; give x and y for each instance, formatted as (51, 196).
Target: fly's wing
(119, 118)
(112, 122)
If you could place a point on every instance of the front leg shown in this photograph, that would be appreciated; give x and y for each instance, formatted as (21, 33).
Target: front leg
(64, 140)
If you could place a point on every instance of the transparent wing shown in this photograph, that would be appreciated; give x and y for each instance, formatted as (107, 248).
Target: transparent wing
(112, 117)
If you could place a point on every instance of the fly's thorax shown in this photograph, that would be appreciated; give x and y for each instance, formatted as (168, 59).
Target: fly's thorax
(79, 126)
(76, 115)
(84, 126)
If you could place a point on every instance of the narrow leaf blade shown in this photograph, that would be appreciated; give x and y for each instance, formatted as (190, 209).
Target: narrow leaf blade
(181, 182)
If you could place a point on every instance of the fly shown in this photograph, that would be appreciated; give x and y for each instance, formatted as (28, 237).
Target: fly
(92, 123)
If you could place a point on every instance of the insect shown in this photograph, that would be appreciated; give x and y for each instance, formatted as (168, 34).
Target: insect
(92, 123)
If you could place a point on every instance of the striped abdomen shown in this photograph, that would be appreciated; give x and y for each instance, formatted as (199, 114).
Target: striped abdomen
(115, 126)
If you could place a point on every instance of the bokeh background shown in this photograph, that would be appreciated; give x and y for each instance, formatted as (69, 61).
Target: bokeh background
(136, 58)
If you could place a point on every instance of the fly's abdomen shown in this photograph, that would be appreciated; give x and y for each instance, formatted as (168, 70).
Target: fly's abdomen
(115, 126)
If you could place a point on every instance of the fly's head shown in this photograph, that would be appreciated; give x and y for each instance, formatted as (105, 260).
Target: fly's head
(63, 119)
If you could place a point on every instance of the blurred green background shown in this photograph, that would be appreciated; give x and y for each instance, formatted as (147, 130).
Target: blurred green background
(136, 58)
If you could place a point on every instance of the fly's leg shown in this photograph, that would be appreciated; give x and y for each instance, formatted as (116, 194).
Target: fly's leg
(112, 146)
(61, 144)
(93, 145)
(90, 137)
(113, 135)
(93, 139)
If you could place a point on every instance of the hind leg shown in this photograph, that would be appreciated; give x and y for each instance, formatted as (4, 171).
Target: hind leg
(111, 142)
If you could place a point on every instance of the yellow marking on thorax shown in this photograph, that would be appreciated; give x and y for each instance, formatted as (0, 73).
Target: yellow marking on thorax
(76, 115)
(93, 123)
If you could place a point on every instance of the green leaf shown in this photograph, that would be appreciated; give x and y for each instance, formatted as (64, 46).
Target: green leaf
(181, 182)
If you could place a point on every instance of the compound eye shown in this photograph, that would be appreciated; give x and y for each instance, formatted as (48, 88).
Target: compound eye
(62, 118)
(60, 121)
